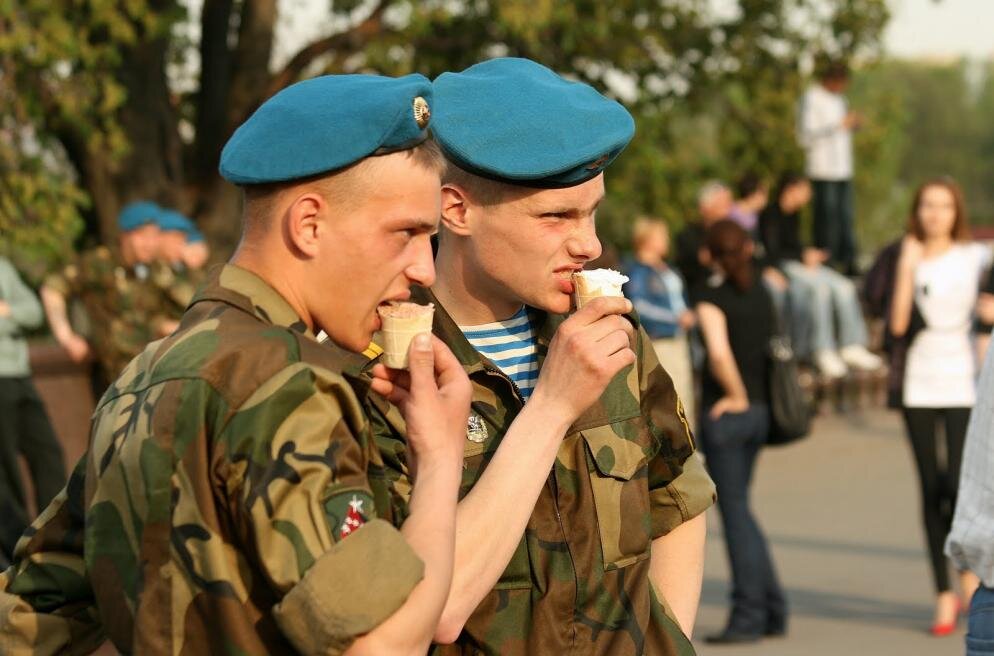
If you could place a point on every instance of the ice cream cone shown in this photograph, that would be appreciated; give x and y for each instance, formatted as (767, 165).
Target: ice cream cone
(401, 322)
(588, 285)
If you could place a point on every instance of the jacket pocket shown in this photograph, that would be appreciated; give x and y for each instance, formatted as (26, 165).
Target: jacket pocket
(618, 456)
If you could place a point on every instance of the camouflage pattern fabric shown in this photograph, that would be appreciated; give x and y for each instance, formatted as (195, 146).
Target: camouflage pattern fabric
(578, 582)
(179, 282)
(223, 506)
(124, 311)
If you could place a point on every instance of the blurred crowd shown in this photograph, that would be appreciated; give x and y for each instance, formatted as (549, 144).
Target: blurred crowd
(104, 307)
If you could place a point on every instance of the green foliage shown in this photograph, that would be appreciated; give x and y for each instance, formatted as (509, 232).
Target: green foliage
(713, 95)
(923, 120)
(60, 92)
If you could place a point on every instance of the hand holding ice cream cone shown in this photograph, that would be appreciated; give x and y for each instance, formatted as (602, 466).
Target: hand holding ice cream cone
(401, 322)
(589, 285)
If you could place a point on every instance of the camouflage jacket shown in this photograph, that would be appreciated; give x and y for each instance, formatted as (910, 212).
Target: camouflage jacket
(578, 582)
(226, 467)
(124, 311)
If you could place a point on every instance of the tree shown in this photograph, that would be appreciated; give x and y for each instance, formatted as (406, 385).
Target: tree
(93, 86)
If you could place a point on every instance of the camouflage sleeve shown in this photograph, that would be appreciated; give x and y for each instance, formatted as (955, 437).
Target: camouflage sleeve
(679, 488)
(297, 453)
(690, 494)
(62, 280)
(46, 602)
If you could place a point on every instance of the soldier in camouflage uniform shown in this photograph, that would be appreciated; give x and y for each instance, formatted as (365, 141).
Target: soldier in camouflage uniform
(126, 308)
(173, 274)
(224, 505)
(573, 503)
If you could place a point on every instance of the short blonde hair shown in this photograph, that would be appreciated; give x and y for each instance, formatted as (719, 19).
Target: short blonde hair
(338, 186)
(644, 227)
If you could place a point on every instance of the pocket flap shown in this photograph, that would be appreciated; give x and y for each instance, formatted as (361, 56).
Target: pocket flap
(619, 449)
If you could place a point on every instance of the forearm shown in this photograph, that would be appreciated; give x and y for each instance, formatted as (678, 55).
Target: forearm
(676, 569)
(504, 495)
(726, 372)
(55, 311)
(430, 531)
(900, 309)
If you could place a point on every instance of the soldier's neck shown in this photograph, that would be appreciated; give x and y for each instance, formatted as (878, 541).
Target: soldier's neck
(468, 295)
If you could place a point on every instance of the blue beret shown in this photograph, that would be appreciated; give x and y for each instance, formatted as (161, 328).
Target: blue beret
(327, 123)
(516, 121)
(171, 220)
(138, 214)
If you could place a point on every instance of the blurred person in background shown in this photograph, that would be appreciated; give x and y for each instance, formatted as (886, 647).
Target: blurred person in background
(971, 541)
(938, 275)
(752, 194)
(196, 252)
(125, 306)
(24, 425)
(714, 203)
(825, 127)
(970, 544)
(821, 298)
(657, 293)
(179, 280)
(735, 314)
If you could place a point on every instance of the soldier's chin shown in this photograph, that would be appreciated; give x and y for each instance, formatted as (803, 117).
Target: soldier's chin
(556, 302)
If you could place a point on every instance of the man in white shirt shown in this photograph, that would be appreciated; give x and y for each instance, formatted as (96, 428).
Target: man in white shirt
(825, 127)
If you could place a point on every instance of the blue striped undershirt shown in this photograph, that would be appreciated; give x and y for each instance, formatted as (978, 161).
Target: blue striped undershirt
(511, 345)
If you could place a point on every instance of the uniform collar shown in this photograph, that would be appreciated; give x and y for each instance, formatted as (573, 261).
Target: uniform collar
(248, 292)
(446, 329)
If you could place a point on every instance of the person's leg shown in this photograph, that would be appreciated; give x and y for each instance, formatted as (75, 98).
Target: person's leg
(729, 459)
(801, 317)
(776, 600)
(852, 326)
(847, 227)
(956, 421)
(37, 441)
(13, 515)
(921, 426)
(818, 297)
(980, 631)
(822, 210)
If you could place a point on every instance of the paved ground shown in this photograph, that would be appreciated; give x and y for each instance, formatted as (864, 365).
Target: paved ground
(841, 510)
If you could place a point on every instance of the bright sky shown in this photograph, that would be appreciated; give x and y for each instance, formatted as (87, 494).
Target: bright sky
(941, 28)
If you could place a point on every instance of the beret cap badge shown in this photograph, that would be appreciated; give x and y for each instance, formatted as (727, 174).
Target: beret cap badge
(598, 163)
(422, 113)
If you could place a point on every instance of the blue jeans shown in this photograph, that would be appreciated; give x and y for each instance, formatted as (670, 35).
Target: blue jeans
(731, 444)
(794, 305)
(833, 221)
(832, 300)
(980, 632)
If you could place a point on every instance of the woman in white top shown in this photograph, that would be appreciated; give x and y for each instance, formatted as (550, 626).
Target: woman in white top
(938, 274)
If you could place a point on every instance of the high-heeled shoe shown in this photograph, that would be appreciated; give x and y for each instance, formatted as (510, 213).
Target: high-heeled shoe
(945, 628)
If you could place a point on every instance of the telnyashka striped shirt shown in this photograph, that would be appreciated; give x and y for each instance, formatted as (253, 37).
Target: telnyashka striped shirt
(511, 345)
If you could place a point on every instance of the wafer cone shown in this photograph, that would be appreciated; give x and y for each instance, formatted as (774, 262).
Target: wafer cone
(588, 285)
(401, 322)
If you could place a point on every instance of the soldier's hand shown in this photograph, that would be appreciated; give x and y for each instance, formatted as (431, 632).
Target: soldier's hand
(586, 352)
(433, 395)
(77, 348)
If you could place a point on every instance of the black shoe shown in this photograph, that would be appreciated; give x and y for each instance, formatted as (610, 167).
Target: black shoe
(731, 637)
(776, 628)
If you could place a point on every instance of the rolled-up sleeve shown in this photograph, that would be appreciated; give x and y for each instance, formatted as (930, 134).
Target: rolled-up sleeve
(679, 488)
(297, 457)
(690, 494)
(350, 590)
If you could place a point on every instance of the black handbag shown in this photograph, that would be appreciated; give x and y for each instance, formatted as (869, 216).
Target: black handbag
(790, 411)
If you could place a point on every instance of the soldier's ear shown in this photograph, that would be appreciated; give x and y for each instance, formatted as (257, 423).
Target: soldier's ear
(455, 210)
(303, 226)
